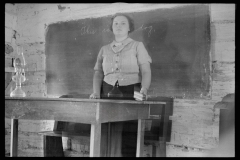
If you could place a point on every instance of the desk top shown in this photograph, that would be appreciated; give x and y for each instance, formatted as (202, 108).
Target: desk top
(77, 110)
(86, 100)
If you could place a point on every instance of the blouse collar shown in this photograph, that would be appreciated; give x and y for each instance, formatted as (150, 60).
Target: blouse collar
(124, 42)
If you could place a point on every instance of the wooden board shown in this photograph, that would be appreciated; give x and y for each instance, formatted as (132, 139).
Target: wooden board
(177, 39)
(80, 110)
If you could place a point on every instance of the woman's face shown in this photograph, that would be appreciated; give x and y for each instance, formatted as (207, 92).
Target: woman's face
(120, 26)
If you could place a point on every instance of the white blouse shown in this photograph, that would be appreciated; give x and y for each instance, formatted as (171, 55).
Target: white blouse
(120, 62)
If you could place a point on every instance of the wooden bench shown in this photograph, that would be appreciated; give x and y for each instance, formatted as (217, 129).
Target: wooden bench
(52, 140)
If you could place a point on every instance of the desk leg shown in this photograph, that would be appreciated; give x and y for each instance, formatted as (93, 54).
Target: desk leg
(14, 138)
(95, 140)
(161, 151)
(109, 140)
(140, 137)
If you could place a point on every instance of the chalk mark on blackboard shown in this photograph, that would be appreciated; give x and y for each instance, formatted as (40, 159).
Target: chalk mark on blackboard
(87, 30)
(144, 28)
(105, 30)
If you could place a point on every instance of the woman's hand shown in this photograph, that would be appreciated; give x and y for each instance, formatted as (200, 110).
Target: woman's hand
(94, 96)
(143, 91)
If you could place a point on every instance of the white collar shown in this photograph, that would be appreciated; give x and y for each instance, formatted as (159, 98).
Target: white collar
(124, 42)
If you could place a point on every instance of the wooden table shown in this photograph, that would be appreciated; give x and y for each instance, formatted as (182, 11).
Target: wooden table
(89, 111)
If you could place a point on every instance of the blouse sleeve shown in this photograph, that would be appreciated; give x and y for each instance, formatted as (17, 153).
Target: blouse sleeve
(142, 54)
(98, 65)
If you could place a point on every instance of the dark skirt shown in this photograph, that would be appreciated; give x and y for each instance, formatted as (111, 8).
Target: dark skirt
(127, 91)
(123, 134)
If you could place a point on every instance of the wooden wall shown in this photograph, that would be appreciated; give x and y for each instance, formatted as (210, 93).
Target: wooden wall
(195, 125)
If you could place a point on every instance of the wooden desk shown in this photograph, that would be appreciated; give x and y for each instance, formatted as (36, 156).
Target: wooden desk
(89, 111)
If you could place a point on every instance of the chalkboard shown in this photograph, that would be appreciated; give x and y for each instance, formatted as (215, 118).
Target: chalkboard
(177, 39)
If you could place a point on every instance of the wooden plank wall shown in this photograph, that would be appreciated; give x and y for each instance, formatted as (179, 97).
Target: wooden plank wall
(195, 122)
(198, 127)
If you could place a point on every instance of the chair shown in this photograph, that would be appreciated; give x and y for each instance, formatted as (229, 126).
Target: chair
(160, 132)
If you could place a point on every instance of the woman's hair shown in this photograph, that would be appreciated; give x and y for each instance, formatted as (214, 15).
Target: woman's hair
(130, 21)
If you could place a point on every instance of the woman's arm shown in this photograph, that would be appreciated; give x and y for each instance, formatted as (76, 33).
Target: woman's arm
(144, 61)
(146, 77)
(97, 82)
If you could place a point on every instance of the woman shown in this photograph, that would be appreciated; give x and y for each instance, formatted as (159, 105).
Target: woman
(123, 65)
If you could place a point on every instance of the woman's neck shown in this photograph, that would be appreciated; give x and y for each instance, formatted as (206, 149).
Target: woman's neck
(120, 38)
